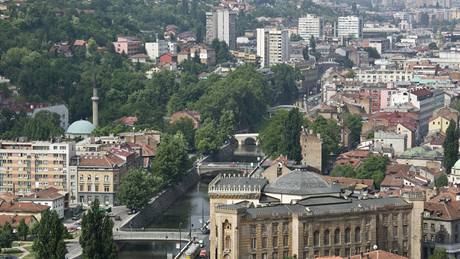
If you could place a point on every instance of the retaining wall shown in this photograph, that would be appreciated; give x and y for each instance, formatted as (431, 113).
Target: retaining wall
(162, 201)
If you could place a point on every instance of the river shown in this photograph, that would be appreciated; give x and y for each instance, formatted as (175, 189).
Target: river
(188, 211)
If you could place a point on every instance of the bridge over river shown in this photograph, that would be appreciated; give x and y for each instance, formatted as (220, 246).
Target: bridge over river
(156, 234)
(204, 168)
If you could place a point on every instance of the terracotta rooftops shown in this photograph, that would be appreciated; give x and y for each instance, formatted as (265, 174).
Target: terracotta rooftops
(107, 161)
(14, 220)
(48, 194)
(377, 254)
(26, 207)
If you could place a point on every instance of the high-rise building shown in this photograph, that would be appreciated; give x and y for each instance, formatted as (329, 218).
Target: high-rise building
(349, 27)
(310, 25)
(272, 46)
(221, 25)
(26, 167)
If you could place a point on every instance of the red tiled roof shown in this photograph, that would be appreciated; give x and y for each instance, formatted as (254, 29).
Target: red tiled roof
(421, 92)
(348, 181)
(27, 207)
(48, 194)
(107, 161)
(79, 43)
(14, 220)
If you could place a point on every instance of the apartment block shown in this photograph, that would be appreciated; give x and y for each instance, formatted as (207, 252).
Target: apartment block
(310, 25)
(27, 167)
(349, 27)
(127, 45)
(272, 46)
(221, 25)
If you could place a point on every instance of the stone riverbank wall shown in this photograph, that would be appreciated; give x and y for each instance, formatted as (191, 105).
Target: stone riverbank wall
(162, 201)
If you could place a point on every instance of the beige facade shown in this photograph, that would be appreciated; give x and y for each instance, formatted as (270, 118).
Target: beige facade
(439, 124)
(312, 149)
(312, 218)
(27, 167)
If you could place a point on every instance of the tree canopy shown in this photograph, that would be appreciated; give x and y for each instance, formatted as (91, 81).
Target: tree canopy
(49, 237)
(450, 146)
(171, 161)
(96, 237)
(373, 167)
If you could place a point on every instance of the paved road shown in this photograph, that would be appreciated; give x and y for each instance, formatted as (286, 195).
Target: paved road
(73, 250)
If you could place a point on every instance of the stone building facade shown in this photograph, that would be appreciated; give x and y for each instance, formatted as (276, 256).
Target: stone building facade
(312, 149)
(300, 214)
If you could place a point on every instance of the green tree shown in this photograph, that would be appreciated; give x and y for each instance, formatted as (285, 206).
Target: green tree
(441, 181)
(439, 253)
(305, 53)
(330, 134)
(135, 189)
(450, 146)
(171, 161)
(291, 135)
(23, 230)
(6, 236)
(354, 123)
(186, 127)
(295, 37)
(222, 51)
(343, 170)
(313, 44)
(49, 239)
(271, 135)
(207, 140)
(433, 46)
(373, 53)
(373, 167)
(284, 86)
(96, 238)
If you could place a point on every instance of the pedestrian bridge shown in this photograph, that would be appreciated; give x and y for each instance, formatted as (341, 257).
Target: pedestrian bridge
(216, 167)
(247, 139)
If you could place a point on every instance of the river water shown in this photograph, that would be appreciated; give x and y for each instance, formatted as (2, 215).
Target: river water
(188, 211)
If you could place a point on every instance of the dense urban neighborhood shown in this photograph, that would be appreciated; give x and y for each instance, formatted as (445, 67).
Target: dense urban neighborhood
(230, 129)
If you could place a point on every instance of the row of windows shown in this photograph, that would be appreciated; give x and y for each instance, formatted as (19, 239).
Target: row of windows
(95, 189)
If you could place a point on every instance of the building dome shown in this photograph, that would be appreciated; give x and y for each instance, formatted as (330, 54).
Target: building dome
(301, 183)
(81, 127)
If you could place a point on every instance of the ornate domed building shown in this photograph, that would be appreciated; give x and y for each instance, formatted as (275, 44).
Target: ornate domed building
(80, 129)
(281, 213)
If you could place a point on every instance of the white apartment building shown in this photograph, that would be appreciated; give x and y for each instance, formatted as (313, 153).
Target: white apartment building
(49, 197)
(26, 167)
(310, 25)
(272, 46)
(373, 76)
(349, 27)
(155, 49)
(424, 99)
(221, 24)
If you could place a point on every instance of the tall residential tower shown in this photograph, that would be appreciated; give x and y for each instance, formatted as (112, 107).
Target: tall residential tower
(221, 25)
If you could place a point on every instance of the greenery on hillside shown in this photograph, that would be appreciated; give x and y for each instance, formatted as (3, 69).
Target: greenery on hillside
(373, 167)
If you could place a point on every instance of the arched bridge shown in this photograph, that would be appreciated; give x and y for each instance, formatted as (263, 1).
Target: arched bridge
(247, 138)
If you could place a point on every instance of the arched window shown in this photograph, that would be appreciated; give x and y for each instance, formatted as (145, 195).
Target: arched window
(326, 237)
(347, 235)
(228, 242)
(357, 234)
(316, 238)
(337, 236)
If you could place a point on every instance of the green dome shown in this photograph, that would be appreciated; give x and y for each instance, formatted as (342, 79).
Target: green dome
(81, 127)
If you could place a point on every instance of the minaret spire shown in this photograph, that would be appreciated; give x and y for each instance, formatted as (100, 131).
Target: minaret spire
(95, 100)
